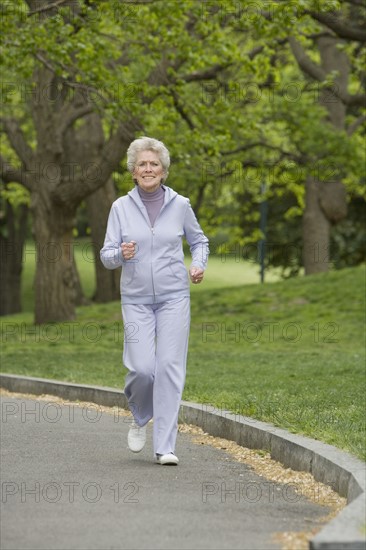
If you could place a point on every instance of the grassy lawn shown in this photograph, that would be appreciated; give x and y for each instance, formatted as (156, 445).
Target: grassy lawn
(288, 352)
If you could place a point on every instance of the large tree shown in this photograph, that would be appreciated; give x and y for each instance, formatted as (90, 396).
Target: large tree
(88, 85)
(327, 42)
(312, 120)
(59, 163)
(57, 182)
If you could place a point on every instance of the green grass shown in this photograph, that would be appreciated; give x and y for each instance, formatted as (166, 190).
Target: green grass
(288, 352)
(291, 353)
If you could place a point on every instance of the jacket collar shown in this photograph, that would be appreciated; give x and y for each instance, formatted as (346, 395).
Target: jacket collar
(169, 195)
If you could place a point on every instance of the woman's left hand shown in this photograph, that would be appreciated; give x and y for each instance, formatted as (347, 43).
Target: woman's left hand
(196, 275)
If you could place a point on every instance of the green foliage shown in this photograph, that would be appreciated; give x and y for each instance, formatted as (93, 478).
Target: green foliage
(216, 81)
(348, 238)
(13, 195)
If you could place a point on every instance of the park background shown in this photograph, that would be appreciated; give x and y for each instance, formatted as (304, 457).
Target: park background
(262, 106)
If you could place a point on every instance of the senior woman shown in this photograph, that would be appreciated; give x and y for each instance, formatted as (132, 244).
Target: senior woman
(144, 236)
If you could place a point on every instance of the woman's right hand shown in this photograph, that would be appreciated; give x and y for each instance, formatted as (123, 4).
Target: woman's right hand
(128, 250)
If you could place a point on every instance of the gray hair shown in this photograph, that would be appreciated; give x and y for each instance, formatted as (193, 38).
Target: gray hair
(147, 144)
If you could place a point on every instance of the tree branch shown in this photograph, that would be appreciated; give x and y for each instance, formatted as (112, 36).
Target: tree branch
(258, 49)
(242, 148)
(9, 174)
(17, 140)
(255, 51)
(212, 72)
(68, 83)
(141, 2)
(355, 100)
(71, 113)
(99, 168)
(207, 74)
(304, 61)
(115, 147)
(340, 28)
(47, 7)
(44, 62)
(355, 124)
(355, 2)
(249, 146)
(317, 73)
(181, 110)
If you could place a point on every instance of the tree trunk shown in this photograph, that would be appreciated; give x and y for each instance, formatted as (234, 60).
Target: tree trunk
(11, 258)
(84, 144)
(316, 231)
(98, 205)
(60, 171)
(325, 201)
(55, 283)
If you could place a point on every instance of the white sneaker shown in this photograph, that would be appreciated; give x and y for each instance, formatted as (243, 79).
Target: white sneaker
(169, 459)
(136, 437)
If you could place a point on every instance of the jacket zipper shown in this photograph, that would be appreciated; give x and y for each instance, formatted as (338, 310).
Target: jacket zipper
(152, 248)
(152, 228)
(151, 264)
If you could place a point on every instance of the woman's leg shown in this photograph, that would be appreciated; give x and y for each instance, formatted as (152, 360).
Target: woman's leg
(172, 332)
(139, 358)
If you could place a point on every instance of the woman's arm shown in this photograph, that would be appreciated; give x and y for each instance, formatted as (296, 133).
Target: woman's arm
(198, 244)
(111, 253)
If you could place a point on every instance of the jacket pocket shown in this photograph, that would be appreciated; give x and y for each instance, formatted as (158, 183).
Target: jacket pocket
(178, 270)
(128, 272)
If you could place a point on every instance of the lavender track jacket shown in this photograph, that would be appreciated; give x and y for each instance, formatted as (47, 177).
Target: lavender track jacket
(157, 272)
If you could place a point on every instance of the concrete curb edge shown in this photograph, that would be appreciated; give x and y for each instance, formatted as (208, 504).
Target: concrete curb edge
(345, 473)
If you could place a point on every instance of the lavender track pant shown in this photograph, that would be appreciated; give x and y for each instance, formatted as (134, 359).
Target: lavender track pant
(155, 353)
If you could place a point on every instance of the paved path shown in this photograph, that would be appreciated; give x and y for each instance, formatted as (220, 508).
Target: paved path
(69, 482)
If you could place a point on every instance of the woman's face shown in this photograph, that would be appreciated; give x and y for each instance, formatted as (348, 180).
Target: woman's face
(148, 171)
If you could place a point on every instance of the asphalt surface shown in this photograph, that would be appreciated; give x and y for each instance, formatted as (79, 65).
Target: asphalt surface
(68, 481)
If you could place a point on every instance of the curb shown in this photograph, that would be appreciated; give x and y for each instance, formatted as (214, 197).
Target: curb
(343, 472)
